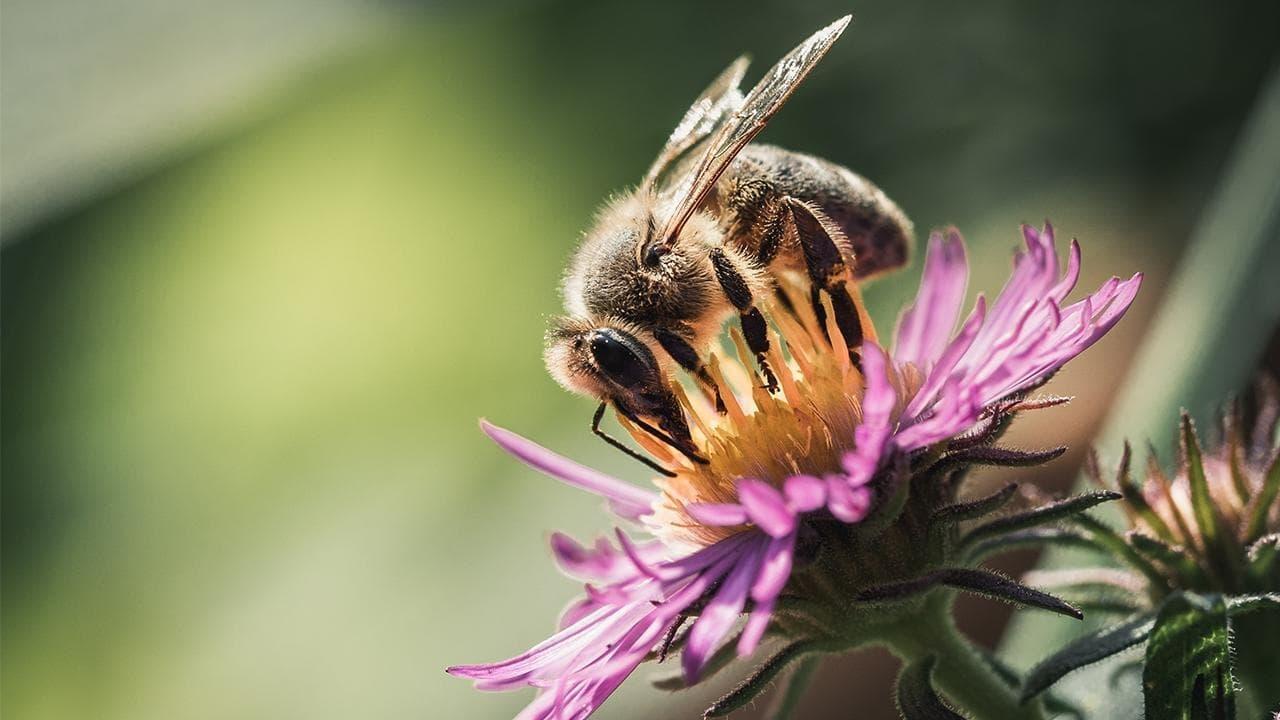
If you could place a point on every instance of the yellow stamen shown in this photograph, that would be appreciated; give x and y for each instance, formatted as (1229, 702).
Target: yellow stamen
(783, 370)
(804, 428)
(727, 392)
(659, 450)
(838, 345)
(698, 414)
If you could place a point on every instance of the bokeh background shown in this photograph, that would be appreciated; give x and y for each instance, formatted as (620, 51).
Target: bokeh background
(266, 263)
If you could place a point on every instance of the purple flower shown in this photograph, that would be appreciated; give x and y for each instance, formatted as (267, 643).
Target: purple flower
(795, 471)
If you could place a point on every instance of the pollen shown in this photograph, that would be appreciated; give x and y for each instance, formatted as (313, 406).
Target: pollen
(803, 428)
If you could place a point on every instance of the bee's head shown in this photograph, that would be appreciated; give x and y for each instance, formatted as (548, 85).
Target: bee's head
(603, 360)
(608, 361)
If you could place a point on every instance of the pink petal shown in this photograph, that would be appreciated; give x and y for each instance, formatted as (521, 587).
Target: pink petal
(1069, 279)
(633, 554)
(766, 507)
(925, 327)
(575, 611)
(754, 629)
(775, 568)
(873, 433)
(600, 564)
(847, 504)
(626, 500)
(956, 410)
(557, 647)
(717, 514)
(717, 618)
(804, 493)
(706, 559)
(942, 370)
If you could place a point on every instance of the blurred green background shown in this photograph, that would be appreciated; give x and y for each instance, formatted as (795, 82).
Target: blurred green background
(266, 263)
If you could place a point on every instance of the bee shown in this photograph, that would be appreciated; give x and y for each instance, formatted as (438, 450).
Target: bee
(711, 227)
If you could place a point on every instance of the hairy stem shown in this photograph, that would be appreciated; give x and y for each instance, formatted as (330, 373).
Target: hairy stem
(961, 674)
(1257, 664)
(789, 699)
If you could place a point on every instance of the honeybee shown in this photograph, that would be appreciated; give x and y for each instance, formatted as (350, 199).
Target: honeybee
(715, 221)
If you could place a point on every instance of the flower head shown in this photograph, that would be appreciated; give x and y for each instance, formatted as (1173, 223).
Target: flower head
(838, 488)
(1200, 575)
(1213, 524)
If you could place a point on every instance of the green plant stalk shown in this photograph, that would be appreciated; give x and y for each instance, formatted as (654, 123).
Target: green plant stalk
(961, 673)
(1257, 664)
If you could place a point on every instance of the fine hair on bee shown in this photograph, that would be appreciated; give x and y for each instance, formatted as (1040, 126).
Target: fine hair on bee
(714, 224)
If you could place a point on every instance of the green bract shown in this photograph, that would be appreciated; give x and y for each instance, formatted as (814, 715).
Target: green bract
(1201, 581)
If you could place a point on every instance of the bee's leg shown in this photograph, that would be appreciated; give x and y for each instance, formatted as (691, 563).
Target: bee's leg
(774, 228)
(783, 300)
(774, 223)
(595, 428)
(683, 353)
(827, 271)
(754, 329)
(685, 448)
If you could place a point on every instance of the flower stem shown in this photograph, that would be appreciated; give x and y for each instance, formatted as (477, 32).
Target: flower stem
(1256, 662)
(961, 673)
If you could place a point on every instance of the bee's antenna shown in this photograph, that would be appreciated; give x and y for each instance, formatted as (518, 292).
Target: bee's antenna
(595, 428)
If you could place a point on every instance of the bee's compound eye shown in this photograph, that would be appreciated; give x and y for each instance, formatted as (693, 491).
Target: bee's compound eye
(654, 254)
(618, 358)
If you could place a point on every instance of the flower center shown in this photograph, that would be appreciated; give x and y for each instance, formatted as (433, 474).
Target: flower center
(803, 428)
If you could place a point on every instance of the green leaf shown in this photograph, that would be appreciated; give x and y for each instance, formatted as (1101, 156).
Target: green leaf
(976, 508)
(995, 585)
(1005, 457)
(1234, 445)
(1031, 537)
(758, 681)
(1201, 500)
(1116, 546)
(1135, 499)
(1174, 559)
(1262, 503)
(1218, 541)
(1188, 669)
(1241, 604)
(916, 697)
(1263, 565)
(1086, 650)
(1042, 515)
(979, 581)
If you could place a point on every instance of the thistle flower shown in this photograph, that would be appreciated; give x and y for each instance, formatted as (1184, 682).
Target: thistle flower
(826, 512)
(1199, 561)
(1212, 525)
(1218, 512)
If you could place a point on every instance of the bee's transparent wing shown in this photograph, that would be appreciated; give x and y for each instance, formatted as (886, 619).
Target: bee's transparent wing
(760, 105)
(720, 100)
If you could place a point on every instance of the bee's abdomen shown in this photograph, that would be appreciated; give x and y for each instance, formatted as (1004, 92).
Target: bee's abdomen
(878, 232)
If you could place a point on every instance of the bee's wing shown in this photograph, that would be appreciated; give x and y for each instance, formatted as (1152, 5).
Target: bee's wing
(721, 99)
(760, 105)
